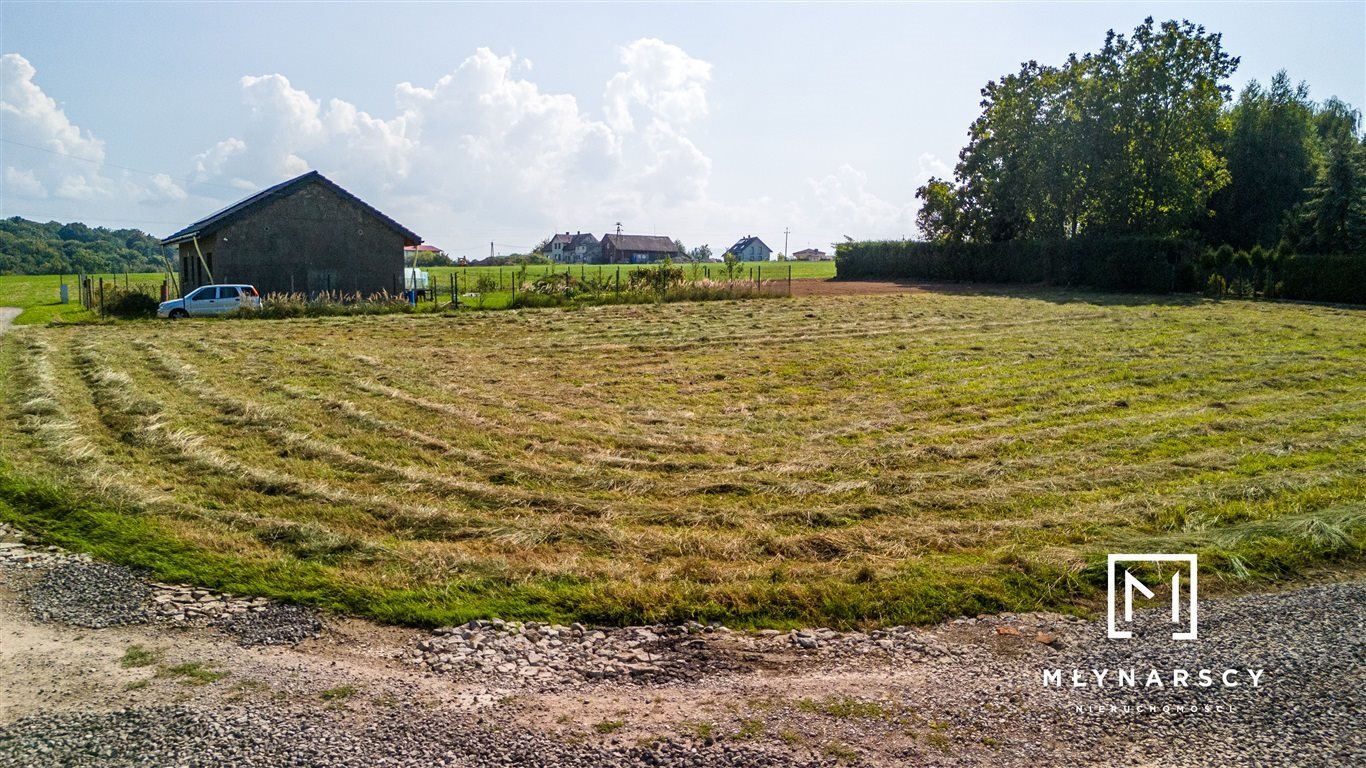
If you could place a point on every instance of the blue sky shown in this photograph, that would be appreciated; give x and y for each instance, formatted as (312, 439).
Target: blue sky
(472, 123)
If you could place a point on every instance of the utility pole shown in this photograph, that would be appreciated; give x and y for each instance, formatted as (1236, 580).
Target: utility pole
(618, 229)
(786, 254)
(490, 249)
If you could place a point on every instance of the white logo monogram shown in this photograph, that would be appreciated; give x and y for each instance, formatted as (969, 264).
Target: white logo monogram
(1132, 583)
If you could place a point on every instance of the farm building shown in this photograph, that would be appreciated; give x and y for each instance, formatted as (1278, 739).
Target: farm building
(812, 254)
(750, 248)
(638, 249)
(578, 248)
(305, 235)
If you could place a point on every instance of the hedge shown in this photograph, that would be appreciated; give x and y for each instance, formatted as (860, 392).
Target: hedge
(1128, 264)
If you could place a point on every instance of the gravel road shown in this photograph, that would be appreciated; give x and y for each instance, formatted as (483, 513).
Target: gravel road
(289, 687)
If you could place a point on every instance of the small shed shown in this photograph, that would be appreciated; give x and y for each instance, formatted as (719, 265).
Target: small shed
(306, 235)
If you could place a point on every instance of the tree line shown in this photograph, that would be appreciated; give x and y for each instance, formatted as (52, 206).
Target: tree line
(1144, 139)
(32, 248)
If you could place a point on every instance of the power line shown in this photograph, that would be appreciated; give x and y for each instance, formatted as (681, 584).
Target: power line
(113, 165)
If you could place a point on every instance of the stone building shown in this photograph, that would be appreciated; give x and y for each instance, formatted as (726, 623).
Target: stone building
(306, 235)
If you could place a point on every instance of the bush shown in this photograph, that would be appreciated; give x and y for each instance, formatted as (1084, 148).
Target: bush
(276, 306)
(1125, 264)
(683, 290)
(1317, 277)
(658, 279)
(1130, 264)
(130, 303)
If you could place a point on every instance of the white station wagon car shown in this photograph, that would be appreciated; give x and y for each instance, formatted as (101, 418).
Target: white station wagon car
(211, 300)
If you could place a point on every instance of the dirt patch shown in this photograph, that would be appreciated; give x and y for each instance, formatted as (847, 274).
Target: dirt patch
(854, 287)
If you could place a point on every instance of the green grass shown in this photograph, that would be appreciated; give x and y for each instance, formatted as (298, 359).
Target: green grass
(609, 726)
(137, 656)
(751, 728)
(40, 295)
(339, 693)
(821, 461)
(771, 270)
(193, 673)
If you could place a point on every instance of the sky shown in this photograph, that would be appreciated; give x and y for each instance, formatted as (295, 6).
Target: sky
(479, 123)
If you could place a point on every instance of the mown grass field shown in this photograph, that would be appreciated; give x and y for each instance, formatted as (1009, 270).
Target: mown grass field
(40, 295)
(823, 460)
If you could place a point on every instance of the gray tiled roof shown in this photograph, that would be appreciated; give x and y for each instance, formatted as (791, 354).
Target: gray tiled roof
(641, 243)
(240, 208)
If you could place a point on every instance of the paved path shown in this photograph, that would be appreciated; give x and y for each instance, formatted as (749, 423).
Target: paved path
(7, 315)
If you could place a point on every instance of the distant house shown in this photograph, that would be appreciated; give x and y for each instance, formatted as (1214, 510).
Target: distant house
(812, 254)
(305, 235)
(750, 248)
(423, 255)
(578, 248)
(638, 249)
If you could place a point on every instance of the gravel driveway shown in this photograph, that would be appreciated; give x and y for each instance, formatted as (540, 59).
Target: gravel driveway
(73, 691)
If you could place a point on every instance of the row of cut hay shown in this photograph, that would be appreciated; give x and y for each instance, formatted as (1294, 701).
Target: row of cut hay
(513, 523)
(70, 444)
(548, 530)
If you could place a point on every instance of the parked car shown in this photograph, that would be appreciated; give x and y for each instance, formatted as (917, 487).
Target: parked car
(211, 300)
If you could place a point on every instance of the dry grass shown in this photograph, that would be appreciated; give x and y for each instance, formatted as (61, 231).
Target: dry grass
(831, 460)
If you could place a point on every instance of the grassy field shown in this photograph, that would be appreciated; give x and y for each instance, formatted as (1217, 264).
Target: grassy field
(40, 295)
(825, 460)
(771, 270)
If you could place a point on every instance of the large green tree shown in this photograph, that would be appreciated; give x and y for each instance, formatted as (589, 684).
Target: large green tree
(1154, 102)
(1122, 141)
(939, 219)
(1271, 150)
(1333, 217)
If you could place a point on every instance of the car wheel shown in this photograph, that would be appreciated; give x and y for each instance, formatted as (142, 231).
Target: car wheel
(179, 314)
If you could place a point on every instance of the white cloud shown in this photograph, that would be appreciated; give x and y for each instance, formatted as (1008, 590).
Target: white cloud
(23, 183)
(661, 78)
(931, 165)
(33, 118)
(483, 152)
(842, 202)
(58, 159)
(163, 187)
(483, 143)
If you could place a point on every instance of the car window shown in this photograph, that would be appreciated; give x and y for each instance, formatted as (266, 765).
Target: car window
(227, 292)
(204, 294)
